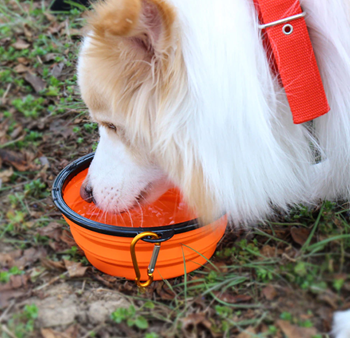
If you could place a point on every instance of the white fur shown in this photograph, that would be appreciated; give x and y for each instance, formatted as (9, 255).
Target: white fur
(118, 179)
(237, 119)
(231, 116)
(328, 23)
(228, 115)
(341, 324)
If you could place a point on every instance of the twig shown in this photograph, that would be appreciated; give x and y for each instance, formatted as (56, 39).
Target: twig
(7, 91)
(7, 310)
(11, 142)
(53, 280)
(7, 331)
(94, 330)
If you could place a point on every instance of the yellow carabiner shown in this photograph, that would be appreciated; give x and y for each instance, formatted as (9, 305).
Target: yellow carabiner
(152, 263)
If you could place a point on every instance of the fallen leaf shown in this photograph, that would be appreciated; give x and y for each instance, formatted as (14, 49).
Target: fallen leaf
(293, 331)
(164, 292)
(27, 31)
(16, 132)
(21, 69)
(194, 319)
(20, 44)
(36, 82)
(49, 333)
(75, 269)
(62, 128)
(67, 238)
(28, 257)
(269, 292)
(50, 57)
(53, 230)
(17, 160)
(6, 259)
(49, 17)
(248, 333)
(230, 298)
(5, 175)
(57, 69)
(268, 251)
(72, 331)
(23, 60)
(299, 235)
(9, 290)
(5, 297)
(329, 297)
(53, 265)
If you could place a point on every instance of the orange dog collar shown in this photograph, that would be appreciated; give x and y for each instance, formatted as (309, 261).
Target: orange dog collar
(287, 37)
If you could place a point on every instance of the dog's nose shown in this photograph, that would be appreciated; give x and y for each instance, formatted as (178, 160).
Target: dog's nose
(86, 193)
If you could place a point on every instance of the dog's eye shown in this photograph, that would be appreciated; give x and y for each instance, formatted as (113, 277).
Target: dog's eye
(111, 126)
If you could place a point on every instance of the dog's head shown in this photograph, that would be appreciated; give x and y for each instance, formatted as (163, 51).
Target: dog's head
(133, 79)
(183, 93)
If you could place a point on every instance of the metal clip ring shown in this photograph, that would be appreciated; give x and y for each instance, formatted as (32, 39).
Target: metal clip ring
(152, 263)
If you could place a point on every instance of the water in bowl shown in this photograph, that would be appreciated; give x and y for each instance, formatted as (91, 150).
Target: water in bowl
(167, 210)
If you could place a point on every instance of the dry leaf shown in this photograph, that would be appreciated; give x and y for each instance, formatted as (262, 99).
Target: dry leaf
(16, 132)
(57, 69)
(164, 292)
(292, 331)
(23, 60)
(269, 292)
(6, 259)
(300, 235)
(268, 251)
(248, 333)
(49, 17)
(20, 44)
(49, 333)
(53, 230)
(10, 289)
(75, 269)
(5, 175)
(50, 57)
(229, 298)
(67, 238)
(53, 265)
(28, 257)
(20, 68)
(17, 160)
(36, 82)
(194, 319)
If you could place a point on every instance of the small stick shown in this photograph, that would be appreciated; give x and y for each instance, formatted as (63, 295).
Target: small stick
(7, 310)
(7, 331)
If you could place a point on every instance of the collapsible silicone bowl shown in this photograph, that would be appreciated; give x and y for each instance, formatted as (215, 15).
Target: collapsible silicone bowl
(174, 249)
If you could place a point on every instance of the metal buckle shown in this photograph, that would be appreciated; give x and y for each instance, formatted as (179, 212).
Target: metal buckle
(290, 18)
(152, 263)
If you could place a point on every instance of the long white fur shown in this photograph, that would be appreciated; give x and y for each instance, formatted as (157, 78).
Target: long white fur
(229, 115)
(328, 23)
(237, 119)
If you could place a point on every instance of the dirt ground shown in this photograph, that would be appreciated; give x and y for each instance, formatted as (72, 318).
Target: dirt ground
(284, 278)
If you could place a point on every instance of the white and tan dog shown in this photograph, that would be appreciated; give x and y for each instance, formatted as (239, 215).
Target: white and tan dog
(183, 92)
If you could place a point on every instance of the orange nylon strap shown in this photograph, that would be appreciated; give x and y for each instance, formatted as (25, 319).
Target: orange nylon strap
(288, 39)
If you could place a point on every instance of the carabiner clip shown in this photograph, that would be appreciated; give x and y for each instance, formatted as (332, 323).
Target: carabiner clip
(152, 263)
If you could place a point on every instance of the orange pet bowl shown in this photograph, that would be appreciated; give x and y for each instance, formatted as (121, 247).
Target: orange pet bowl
(170, 240)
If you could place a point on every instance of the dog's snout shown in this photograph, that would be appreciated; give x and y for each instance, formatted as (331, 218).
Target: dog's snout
(86, 193)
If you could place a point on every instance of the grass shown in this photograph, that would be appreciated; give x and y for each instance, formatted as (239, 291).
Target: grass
(292, 268)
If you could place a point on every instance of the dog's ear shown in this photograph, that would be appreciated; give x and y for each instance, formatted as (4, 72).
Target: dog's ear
(143, 25)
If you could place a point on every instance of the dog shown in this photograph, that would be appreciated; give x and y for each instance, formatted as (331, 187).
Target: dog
(184, 95)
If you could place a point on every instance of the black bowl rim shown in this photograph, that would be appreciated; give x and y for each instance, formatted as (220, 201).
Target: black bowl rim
(71, 170)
